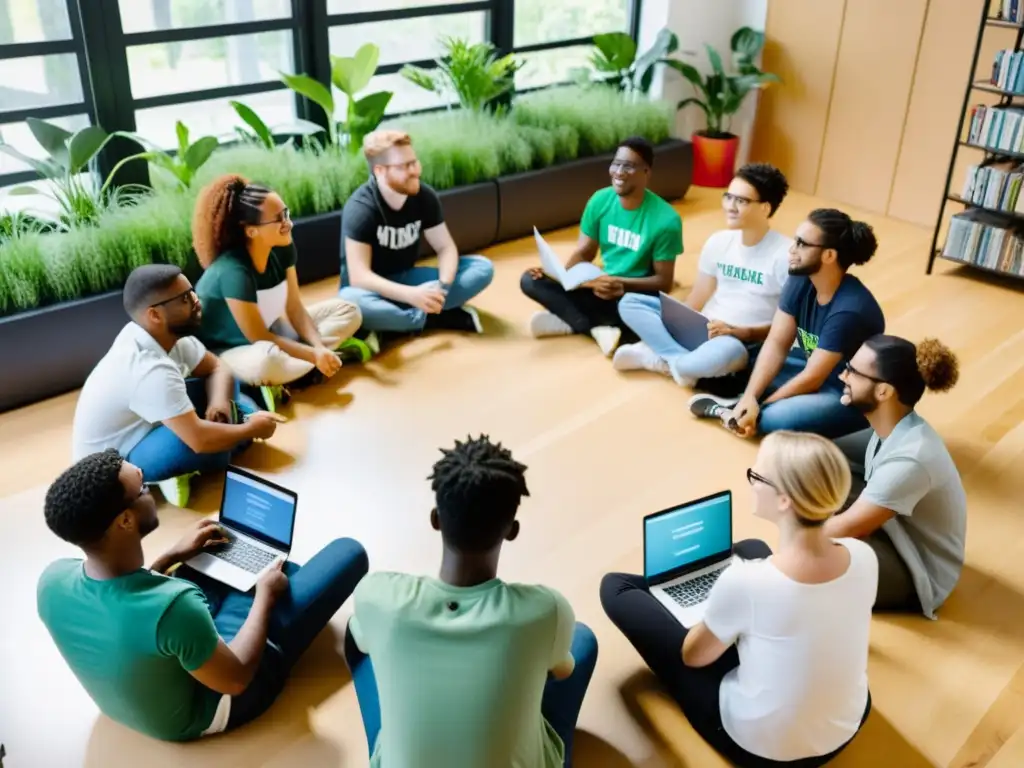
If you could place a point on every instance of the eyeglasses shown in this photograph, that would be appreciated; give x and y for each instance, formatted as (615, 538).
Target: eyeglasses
(801, 243)
(742, 202)
(850, 370)
(753, 477)
(185, 298)
(143, 490)
(410, 165)
(618, 165)
(282, 217)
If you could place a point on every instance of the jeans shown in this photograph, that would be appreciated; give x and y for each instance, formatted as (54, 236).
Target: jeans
(581, 309)
(316, 591)
(719, 356)
(379, 314)
(658, 638)
(560, 706)
(161, 454)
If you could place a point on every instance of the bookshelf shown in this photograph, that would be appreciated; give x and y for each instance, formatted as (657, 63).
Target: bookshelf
(987, 233)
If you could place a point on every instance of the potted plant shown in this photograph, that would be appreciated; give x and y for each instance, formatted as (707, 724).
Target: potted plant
(720, 96)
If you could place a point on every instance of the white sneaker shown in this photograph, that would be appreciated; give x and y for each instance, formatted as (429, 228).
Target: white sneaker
(544, 324)
(607, 338)
(638, 357)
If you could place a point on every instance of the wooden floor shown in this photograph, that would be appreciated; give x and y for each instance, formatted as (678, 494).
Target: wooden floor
(603, 450)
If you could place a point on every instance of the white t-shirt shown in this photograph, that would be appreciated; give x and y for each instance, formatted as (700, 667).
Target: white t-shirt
(801, 687)
(133, 388)
(750, 278)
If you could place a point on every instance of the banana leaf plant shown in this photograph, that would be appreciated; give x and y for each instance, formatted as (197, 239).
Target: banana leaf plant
(181, 166)
(473, 73)
(614, 61)
(262, 134)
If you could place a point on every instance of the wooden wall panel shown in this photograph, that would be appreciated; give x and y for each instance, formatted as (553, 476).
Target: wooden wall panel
(874, 73)
(802, 40)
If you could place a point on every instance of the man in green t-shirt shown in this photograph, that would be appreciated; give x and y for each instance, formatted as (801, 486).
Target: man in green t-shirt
(466, 670)
(639, 236)
(174, 658)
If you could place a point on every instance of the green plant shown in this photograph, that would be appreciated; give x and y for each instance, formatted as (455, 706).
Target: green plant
(615, 62)
(14, 224)
(721, 94)
(472, 72)
(262, 134)
(181, 167)
(350, 75)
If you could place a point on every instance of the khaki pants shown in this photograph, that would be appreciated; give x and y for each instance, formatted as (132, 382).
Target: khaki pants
(266, 363)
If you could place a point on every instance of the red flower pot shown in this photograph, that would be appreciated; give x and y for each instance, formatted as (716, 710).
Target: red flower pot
(714, 160)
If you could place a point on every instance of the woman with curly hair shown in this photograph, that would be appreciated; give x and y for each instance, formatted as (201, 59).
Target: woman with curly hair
(253, 316)
(912, 509)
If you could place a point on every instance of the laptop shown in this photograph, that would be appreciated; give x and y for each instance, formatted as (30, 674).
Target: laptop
(258, 518)
(687, 326)
(686, 548)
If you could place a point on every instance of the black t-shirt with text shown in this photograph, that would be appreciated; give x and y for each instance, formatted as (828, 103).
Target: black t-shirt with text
(394, 236)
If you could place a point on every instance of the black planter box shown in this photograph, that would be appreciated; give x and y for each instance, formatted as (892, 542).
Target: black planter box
(317, 241)
(472, 216)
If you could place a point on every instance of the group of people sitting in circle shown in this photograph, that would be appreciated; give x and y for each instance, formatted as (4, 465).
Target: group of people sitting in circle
(466, 670)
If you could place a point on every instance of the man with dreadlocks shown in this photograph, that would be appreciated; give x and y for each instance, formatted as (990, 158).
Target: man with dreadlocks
(472, 671)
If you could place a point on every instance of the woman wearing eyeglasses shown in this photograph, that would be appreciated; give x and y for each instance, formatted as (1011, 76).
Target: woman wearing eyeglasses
(253, 316)
(776, 673)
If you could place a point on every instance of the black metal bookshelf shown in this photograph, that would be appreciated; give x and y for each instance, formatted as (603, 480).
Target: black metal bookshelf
(1011, 219)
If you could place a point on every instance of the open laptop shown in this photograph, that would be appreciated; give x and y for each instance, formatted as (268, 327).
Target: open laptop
(258, 518)
(687, 326)
(686, 548)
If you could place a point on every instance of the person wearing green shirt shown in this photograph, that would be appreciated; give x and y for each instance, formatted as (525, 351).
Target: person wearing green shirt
(253, 314)
(183, 656)
(639, 236)
(466, 670)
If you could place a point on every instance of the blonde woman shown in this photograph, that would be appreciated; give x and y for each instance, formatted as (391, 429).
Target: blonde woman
(776, 673)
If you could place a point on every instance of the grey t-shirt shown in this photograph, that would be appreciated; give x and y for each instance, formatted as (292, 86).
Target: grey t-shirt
(913, 474)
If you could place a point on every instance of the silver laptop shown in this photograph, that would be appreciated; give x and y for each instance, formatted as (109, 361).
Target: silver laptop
(686, 548)
(258, 518)
(687, 326)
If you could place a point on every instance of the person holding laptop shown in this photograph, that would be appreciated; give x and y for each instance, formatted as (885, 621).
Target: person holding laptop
(739, 281)
(911, 506)
(466, 670)
(171, 659)
(639, 236)
(830, 313)
(775, 672)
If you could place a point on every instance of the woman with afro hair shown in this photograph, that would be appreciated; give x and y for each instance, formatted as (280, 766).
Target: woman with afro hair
(253, 316)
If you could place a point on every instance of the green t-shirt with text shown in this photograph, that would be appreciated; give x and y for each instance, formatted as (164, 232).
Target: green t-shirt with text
(131, 642)
(233, 276)
(631, 241)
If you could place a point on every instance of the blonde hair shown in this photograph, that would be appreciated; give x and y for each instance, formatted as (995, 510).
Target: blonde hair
(811, 470)
(377, 143)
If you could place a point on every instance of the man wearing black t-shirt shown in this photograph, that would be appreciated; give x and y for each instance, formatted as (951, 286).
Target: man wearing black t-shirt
(382, 224)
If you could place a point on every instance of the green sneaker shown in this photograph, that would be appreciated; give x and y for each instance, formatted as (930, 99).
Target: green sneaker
(355, 350)
(274, 396)
(176, 489)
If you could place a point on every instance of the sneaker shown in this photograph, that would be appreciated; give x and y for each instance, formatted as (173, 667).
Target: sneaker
(545, 324)
(607, 338)
(275, 396)
(354, 351)
(638, 357)
(373, 341)
(458, 319)
(705, 406)
(176, 489)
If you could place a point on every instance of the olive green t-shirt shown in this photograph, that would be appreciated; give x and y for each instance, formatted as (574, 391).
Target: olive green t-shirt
(233, 276)
(631, 241)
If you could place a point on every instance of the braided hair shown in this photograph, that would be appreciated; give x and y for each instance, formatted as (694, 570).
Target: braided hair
(223, 209)
(853, 241)
(477, 486)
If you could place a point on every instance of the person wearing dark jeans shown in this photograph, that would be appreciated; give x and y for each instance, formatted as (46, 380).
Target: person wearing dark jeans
(776, 672)
(639, 237)
(466, 670)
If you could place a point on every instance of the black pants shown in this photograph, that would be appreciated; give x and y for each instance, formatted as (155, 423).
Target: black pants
(658, 638)
(581, 309)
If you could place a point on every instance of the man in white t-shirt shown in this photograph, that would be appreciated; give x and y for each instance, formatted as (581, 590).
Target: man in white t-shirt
(740, 277)
(137, 399)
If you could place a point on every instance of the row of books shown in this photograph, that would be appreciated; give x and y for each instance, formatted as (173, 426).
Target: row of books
(995, 186)
(997, 127)
(977, 239)
(1008, 71)
(1009, 10)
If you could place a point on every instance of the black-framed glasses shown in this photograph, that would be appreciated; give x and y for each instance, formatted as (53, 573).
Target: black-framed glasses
(850, 370)
(743, 202)
(185, 298)
(801, 243)
(407, 166)
(282, 217)
(753, 477)
(623, 167)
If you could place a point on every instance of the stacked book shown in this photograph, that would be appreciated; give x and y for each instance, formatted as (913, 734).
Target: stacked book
(996, 187)
(977, 239)
(1009, 10)
(1008, 71)
(997, 127)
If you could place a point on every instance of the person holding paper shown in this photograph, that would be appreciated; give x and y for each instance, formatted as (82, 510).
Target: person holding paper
(739, 281)
(639, 236)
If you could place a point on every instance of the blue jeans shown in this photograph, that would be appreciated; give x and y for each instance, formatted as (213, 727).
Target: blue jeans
(560, 706)
(819, 412)
(379, 314)
(316, 591)
(716, 357)
(162, 455)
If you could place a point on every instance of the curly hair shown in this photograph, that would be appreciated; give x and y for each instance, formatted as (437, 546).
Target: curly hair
(223, 208)
(86, 498)
(912, 369)
(478, 487)
(853, 241)
(769, 181)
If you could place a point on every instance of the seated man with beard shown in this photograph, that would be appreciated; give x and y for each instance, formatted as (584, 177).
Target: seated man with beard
(159, 397)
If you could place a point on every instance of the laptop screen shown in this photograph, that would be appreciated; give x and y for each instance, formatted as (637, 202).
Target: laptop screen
(259, 509)
(680, 537)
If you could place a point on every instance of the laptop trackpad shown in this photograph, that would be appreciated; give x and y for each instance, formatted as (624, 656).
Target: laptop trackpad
(220, 570)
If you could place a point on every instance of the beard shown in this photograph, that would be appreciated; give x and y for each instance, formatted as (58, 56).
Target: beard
(805, 269)
(865, 405)
(188, 327)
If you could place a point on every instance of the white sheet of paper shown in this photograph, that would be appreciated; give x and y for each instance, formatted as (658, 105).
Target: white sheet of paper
(552, 266)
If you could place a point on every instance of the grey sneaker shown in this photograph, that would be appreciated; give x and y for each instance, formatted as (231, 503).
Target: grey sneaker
(705, 406)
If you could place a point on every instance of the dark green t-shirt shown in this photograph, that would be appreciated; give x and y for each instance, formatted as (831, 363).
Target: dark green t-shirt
(131, 642)
(232, 276)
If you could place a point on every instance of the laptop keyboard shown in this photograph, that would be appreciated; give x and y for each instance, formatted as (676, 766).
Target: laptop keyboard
(694, 591)
(246, 556)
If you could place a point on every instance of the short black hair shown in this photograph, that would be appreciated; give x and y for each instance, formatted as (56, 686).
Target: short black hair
(641, 146)
(911, 369)
(769, 181)
(477, 486)
(86, 498)
(147, 282)
(853, 241)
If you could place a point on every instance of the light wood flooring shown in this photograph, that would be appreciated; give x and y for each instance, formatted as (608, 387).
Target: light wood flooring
(603, 450)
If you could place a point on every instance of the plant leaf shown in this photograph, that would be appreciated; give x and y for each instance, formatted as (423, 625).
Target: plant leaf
(747, 43)
(84, 145)
(665, 43)
(618, 48)
(421, 77)
(23, 190)
(350, 74)
(716, 60)
(253, 120)
(181, 130)
(366, 116)
(304, 85)
(688, 71)
(693, 100)
(52, 138)
(200, 152)
(45, 168)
